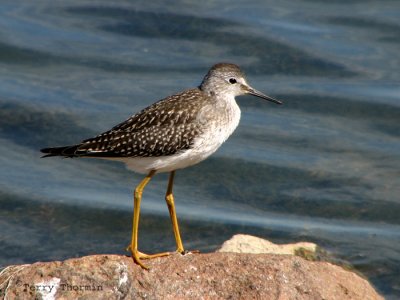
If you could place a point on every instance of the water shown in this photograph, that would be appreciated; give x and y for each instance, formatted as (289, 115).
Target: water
(324, 167)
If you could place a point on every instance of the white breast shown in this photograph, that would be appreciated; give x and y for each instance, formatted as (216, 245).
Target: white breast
(221, 123)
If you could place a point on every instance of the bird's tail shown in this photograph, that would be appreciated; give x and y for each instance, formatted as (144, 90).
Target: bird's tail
(66, 151)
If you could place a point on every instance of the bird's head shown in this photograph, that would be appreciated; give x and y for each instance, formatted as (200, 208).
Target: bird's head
(225, 78)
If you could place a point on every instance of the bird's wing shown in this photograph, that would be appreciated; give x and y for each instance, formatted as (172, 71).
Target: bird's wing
(163, 128)
(175, 109)
(149, 141)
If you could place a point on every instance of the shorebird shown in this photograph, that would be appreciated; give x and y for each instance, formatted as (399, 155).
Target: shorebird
(174, 133)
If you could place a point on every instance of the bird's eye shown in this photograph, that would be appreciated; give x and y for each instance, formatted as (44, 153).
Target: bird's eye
(232, 80)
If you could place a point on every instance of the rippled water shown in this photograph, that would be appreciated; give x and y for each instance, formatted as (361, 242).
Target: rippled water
(323, 167)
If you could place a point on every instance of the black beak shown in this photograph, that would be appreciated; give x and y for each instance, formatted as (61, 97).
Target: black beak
(254, 92)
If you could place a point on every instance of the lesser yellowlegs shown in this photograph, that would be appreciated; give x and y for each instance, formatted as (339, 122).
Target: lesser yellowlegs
(173, 133)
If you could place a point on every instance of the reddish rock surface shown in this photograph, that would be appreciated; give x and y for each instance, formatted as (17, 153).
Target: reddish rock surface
(192, 276)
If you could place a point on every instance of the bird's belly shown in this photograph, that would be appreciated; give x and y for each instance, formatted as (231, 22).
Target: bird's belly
(204, 146)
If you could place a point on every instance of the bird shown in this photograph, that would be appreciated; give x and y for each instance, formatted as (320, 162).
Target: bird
(173, 133)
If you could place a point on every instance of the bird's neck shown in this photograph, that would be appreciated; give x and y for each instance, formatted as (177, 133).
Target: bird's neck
(217, 93)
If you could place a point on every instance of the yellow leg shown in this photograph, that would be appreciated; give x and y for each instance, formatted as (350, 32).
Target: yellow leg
(136, 255)
(169, 197)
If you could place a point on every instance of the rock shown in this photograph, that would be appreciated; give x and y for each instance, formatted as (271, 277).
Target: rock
(191, 276)
(242, 243)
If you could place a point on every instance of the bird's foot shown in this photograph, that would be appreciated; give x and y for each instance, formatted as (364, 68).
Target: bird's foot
(137, 256)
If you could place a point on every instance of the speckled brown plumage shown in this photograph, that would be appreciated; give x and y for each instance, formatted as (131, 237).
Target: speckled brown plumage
(161, 129)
